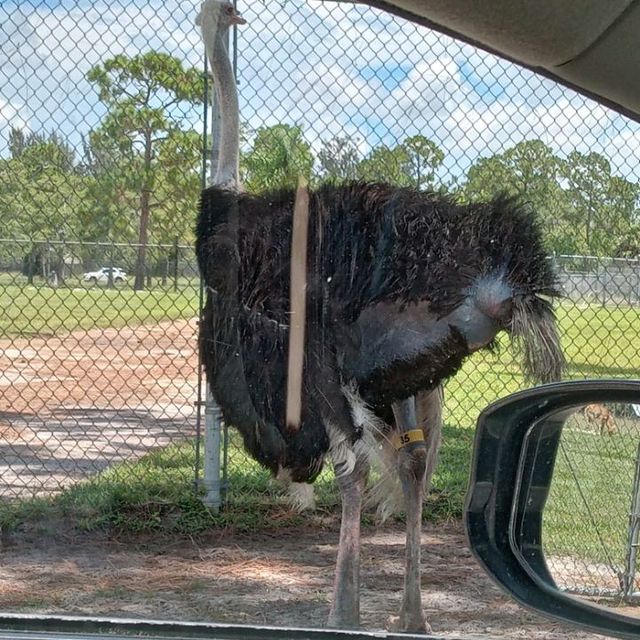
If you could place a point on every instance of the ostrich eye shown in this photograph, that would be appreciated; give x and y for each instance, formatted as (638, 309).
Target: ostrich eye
(229, 9)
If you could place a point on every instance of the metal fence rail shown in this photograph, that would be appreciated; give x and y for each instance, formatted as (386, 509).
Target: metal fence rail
(102, 156)
(609, 281)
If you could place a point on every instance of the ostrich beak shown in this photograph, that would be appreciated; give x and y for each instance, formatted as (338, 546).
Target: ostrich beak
(236, 18)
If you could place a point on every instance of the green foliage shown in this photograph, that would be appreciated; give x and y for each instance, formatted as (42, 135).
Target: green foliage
(338, 159)
(386, 164)
(40, 191)
(412, 163)
(424, 158)
(584, 208)
(278, 157)
(139, 177)
(146, 78)
(604, 207)
(529, 170)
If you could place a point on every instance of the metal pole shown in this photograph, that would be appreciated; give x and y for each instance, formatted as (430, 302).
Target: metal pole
(212, 440)
(628, 577)
(203, 184)
(176, 249)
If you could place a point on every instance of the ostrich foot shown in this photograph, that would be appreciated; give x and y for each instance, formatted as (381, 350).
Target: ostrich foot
(408, 622)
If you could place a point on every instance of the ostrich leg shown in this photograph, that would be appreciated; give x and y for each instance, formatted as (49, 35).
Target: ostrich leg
(345, 605)
(418, 425)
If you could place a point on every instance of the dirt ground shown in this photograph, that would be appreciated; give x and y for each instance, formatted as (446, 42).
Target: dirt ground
(279, 578)
(71, 405)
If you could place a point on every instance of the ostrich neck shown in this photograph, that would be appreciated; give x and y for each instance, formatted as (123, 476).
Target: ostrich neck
(226, 92)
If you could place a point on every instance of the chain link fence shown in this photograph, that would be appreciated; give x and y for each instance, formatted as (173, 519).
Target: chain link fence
(92, 372)
(591, 524)
(103, 152)
(608, 281)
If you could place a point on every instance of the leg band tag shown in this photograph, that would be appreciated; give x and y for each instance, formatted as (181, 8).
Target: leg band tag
(402, 439)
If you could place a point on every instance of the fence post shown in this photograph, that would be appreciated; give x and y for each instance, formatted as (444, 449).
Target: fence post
(212, 441)
(110, 282)
(30, 264)
(636, 298)
(175, 264)
(628, 577)
(45, 262)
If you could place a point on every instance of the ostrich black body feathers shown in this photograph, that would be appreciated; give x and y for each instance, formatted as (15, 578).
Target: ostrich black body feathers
(402, 287)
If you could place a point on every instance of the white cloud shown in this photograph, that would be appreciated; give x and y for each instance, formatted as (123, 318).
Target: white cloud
(9, 117)
(333, 68)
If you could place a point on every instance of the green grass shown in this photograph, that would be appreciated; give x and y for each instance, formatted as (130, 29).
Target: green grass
(31, 311)
(134, 497)
(155, 495)
(599, 342)
(587, 513)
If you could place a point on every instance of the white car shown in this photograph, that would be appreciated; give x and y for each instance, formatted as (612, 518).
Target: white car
(102, 275)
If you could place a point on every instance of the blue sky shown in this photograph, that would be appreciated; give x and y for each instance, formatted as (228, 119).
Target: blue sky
(335, 69)
(390, 74)
(488, 87)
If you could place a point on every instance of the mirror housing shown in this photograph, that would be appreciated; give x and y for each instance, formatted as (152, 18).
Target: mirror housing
(513, 461)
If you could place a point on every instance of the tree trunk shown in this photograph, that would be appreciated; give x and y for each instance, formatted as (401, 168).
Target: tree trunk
(145, 196)
(141, 260)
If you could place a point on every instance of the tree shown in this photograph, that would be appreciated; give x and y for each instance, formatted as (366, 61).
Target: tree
(385, 164)
(142, 94)
(624, 213)
(338, 159)
(629, 246)
(17, 141)
(424, 157)
(412, 163)
(40, 192)
(179, 158)
(604, 206)
(532, 171)
(278, 157)
(50, 149)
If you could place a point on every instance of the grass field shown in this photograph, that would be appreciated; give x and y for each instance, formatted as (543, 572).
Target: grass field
(587, 514)
(37, 310)
(599, 342)
(156, 492)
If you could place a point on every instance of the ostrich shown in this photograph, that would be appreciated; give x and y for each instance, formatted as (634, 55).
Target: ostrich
(402, 286)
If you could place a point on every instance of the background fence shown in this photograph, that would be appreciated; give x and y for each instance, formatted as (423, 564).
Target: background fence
(612, 281)
(102, 155)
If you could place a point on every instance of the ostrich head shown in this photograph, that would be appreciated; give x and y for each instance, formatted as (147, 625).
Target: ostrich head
(214, 19)
(495, 304)
(221, 15)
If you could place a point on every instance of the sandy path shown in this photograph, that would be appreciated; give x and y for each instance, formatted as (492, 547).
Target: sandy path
(71, 405)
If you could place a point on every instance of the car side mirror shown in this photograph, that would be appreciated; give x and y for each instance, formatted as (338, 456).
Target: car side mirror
(541, 515)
